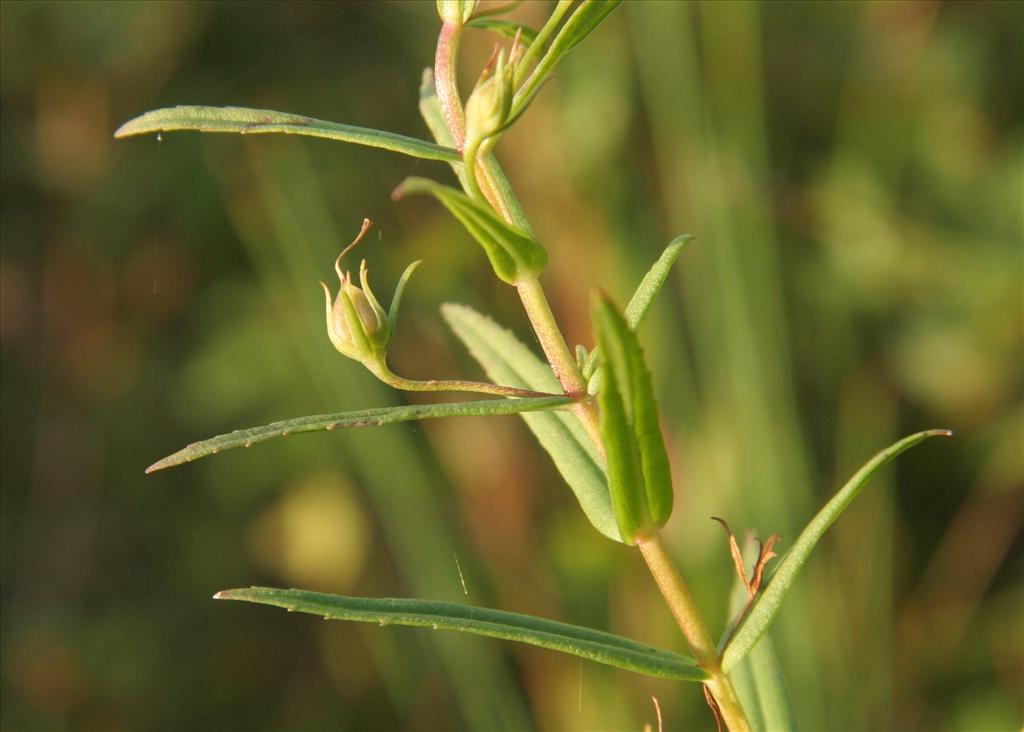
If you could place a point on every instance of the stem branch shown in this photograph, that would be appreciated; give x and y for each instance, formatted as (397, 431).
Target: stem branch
(385, 374)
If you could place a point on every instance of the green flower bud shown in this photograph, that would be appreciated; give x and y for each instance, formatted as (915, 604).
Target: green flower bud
(489, 105)
(456, 11)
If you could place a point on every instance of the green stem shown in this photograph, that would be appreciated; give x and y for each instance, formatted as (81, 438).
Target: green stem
(687, 614)
(561, 359)
(535, 302)
(385, 374)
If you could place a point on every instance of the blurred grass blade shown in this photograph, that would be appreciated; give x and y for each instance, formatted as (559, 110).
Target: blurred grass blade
(758, 677)
(646, 292)
(504, 357)
(767, 605)
(361, 418)
(593, 645)
(507, 28)
(246, 121)
(639, 478)
(776, 709)
(513, 253)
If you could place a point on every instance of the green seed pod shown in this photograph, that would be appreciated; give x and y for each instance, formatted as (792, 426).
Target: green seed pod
(356, 323)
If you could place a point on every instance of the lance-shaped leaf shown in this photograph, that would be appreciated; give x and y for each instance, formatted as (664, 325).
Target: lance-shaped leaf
(639, 478)
(246, 121)
(506, 359)
(360, 418)
(638, 306)
(763, 611)
(513, 253)
(593, 645)
(584, 19)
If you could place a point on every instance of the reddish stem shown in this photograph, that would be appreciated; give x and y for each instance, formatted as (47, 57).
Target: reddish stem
(445, 81)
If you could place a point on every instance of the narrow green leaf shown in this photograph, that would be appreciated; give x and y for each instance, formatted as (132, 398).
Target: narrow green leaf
(513, 253)
(593, 645)
(638, 471)
(507, 28)
(625, 474)
(584, 19)
(506, 359)
(772, 693)
(643, 297)
(653, 281)
(361, 418)
(246, 121)
(498, 10)
(767, 604)
(396, 299)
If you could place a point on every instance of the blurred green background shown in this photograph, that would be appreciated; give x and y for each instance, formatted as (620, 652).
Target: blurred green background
(854, 174)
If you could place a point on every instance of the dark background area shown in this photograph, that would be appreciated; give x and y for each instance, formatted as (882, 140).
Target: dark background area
(854, 175)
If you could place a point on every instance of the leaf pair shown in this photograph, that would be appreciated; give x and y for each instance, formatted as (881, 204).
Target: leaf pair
(639, 479)
(751, 664)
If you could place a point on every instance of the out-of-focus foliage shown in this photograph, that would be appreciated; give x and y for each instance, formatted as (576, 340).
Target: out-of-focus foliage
(853, 175)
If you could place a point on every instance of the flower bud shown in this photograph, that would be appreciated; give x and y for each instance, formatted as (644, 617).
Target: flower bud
(456, 11)
(489, 105)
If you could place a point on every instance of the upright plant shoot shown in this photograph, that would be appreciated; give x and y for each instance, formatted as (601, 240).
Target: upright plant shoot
(592, 409)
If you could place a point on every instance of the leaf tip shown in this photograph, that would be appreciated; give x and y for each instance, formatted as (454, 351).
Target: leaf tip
(411, 184)
(599, 298)
(130, 128)
(236, 594)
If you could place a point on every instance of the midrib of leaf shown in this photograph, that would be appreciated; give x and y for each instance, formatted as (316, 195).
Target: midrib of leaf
(594, 645)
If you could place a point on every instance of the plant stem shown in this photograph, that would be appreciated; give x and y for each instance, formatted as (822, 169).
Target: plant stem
(684, 609)
(445, 81)
(560, 358)
(538, 310)
(385, 374)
